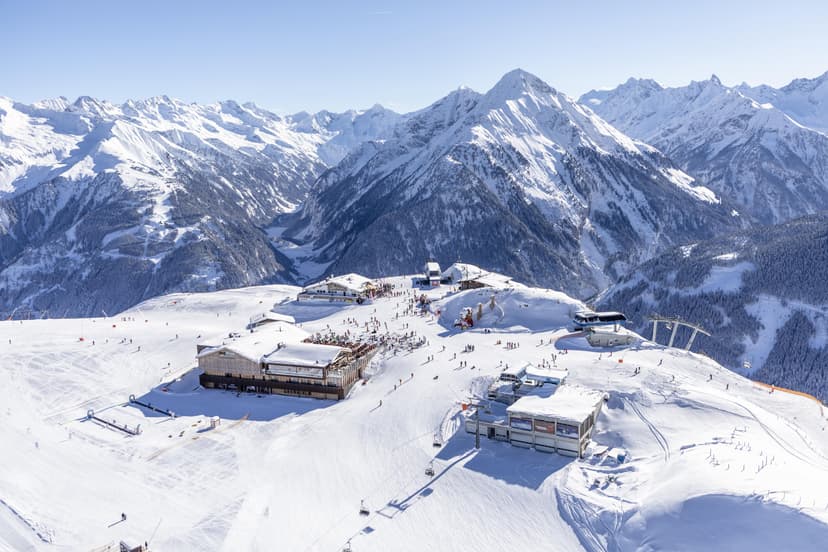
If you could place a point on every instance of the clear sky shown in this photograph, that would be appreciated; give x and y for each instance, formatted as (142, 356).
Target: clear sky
(290, 56)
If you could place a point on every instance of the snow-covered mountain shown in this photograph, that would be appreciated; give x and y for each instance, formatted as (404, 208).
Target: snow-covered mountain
(804, 100)
(102, 205)
(522, 180)
(343, 132)
(761, 292)
(750, 152)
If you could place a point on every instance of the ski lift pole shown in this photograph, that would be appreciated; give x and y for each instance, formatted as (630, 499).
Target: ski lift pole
(477, 428)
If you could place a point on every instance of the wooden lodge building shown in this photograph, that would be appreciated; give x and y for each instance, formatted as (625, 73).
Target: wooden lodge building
(267, 318)
(469, 276)
(274, 359)
(348, 288)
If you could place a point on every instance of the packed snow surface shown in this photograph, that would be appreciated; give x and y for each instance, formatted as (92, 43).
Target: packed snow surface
(686, 454)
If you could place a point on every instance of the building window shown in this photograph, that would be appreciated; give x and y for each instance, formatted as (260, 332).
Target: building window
(567, 430)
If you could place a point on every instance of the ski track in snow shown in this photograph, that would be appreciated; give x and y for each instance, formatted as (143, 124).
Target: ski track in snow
(658, 435)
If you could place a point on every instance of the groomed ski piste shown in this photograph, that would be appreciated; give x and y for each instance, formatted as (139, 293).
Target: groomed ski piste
(711, 461)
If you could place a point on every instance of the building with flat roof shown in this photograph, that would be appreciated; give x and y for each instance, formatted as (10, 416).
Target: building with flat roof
(555, 376)
(607, 337)
(432, 273)
(548, 418)
(517, 381)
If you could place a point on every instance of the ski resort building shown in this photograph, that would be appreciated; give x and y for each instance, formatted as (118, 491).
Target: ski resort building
(518, 381)
(271, 361)
(487, 280)
(349, 288)
(598, 337)
(459, 272)
(432, 274)
(549, 418)
(240, 354)
(268, 317)
(587, 319)
(313, 365)
(553, 376)
(469, 276)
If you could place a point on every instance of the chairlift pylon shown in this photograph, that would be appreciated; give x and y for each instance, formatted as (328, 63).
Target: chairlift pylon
(363, 510)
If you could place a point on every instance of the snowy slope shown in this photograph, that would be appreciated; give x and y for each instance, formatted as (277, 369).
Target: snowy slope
(804, 100)
(517, 309)
(345, 131)
(157, 195)
(771, 166)
(758, 291)
(56, 138)
(521, 180)
(719, 459)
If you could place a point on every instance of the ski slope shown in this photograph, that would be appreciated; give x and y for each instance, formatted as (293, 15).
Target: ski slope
(711, 461)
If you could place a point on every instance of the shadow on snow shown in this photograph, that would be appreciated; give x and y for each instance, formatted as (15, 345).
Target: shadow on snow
(186, 398)
(499, 460)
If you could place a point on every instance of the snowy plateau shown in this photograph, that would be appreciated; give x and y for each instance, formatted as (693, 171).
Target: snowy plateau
(686, 455)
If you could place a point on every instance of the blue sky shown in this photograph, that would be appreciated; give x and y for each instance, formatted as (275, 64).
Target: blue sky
(340, 54)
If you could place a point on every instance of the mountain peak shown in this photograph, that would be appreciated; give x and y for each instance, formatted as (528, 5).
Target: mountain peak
(635, 87)
(91, 106)
(715, 80)
(84, 101)
(378, 108)
(806, 84)
(641, 84)
(517, 83)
